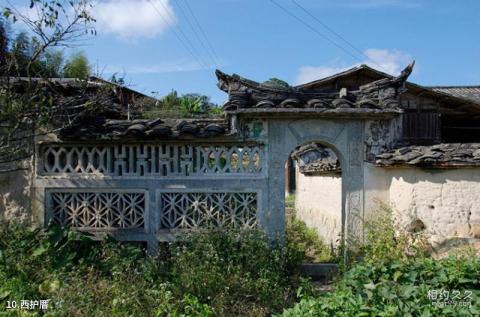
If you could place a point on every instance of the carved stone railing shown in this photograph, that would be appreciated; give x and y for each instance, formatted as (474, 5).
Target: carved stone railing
(149, 160)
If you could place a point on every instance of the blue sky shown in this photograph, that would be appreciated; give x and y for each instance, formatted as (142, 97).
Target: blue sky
(256, 39)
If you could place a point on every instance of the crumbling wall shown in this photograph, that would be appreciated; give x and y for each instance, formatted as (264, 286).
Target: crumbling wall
(318, 202)
(445, 204)
(381, 136)
(15, 198)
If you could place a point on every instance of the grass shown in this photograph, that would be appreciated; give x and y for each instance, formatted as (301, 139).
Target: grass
(229, 273)
(217, 273)
(393, 274)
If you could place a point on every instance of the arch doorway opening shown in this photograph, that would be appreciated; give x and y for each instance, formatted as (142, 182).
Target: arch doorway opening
(313, 196)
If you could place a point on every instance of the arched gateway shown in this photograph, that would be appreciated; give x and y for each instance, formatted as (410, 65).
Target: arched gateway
(147, 180)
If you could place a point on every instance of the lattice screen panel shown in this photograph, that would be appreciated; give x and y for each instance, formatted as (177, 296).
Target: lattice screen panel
(150, 160)
(98, 210)
(208, 210)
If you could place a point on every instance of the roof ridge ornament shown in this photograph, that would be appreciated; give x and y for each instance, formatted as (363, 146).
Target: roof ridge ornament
(245, 93)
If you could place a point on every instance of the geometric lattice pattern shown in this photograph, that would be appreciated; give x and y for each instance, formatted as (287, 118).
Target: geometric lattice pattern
(92, 210)
(150, 159)
(208, 210)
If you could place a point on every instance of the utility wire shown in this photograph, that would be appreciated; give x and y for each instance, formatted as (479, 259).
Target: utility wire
(184, 35)
(327, 27)
(197, 36)
(202, 31)
(184, 41)
(335, 33)
(323, 36)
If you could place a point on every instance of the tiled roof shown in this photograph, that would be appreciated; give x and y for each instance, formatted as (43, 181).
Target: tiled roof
(314, 159)
(244, 94)
(106, 129)
(438, 155)
(467, 92)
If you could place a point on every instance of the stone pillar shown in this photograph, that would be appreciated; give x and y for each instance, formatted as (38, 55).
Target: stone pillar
(353, 184)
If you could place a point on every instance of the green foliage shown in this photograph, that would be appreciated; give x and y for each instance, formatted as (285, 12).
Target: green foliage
(55, 24)
(4, 45)
(48, 64)
(191, 105)
(384, 242)
(306, 241)
(397, 288)
(77, 67)
(277, 83)
(393, 278)
(185, 106)
(237, 272)
(227, 273)
(209, 274)
(52, 63)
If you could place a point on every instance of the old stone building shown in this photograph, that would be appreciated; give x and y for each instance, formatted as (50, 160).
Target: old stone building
(357, 137)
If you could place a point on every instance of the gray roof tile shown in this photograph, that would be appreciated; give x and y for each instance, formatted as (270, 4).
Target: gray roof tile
(467, 92)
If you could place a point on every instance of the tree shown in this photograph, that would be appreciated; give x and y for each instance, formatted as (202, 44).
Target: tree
(4, 39)
(20, 55)
(26, 113)
(275, 82)
(53, 63)
(77, 67)
(174, 106)
(56, 23)
(48, 64)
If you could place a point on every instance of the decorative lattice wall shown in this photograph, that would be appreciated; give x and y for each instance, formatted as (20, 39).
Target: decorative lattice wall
(87, 210)
(208, 210)
(151, 191)
(150, 160)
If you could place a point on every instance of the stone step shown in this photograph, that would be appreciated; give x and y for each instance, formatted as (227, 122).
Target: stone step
(319, 271)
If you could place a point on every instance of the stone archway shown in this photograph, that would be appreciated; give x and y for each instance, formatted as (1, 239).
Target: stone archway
(345, 137)
(294, 115)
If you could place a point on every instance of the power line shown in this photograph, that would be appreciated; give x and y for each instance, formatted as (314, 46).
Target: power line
(335, 33)
(197, 36)
(184, 35)
(202, 31)
(323, 36)
(185, 42)
(327, 27)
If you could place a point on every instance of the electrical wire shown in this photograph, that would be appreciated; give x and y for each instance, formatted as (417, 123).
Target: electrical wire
(323, 36)
(195, 33)
(331, 30)
(184, 41)
(202, 31)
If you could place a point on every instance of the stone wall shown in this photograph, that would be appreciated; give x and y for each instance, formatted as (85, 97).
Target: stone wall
(15, 196)
(318, 202)
(381, 136)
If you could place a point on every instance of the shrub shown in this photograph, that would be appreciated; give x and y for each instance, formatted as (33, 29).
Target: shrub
(306, 242)
(223, 273)
(397, 288)
(393, 277)
(238, 273)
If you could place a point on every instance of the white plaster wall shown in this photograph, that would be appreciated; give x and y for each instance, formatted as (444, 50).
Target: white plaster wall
(377, 184)
(446, 201)
(318, 202)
